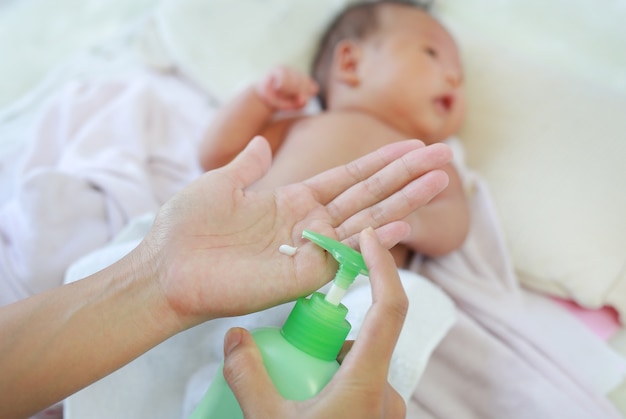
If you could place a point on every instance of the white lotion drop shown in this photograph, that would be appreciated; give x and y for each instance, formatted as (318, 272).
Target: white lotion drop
(285, 249)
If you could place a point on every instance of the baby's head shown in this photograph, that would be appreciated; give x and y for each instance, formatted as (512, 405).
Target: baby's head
(394, 60)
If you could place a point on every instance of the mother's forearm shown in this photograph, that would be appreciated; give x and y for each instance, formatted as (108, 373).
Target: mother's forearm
(55, 343)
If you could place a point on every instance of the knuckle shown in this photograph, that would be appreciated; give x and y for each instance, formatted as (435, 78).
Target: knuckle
(398, 306)
(395, 406)
(229, 369)
(375, 187)
(354, 170)
(378, 215)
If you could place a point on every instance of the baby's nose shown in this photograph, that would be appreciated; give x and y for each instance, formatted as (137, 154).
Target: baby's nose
(454, 78)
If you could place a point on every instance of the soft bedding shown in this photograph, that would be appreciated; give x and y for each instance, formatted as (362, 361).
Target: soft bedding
(545, 132)
(100, 155)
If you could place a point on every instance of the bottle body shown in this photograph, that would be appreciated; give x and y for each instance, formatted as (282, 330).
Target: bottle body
(296, 374)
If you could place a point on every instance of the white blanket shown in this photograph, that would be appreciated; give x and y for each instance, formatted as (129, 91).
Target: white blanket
(101, 154)
(511, 354)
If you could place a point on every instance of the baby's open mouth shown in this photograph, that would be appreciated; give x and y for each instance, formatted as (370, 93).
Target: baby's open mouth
(445, 102)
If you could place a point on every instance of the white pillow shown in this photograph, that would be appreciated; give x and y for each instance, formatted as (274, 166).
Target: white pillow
(551, 146)
(224, 45)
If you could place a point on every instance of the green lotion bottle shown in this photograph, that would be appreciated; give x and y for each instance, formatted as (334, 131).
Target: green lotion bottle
(301, 356)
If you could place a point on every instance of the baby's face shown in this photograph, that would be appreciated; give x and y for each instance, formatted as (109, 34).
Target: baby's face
(413, 68)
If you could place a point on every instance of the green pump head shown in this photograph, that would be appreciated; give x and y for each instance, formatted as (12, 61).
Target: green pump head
(351, 264)
(318, 325)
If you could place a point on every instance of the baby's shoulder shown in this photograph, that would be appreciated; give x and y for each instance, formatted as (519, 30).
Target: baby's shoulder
(350, 124)
(350, 117)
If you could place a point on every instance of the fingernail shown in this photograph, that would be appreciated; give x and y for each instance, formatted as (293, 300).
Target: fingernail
(232, 340)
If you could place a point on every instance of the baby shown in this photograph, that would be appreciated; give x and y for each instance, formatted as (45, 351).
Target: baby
(385, 71)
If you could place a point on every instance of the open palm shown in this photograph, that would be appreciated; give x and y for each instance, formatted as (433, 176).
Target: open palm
(219, 241)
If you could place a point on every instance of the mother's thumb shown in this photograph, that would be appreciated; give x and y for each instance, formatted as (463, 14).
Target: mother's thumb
(247, 377)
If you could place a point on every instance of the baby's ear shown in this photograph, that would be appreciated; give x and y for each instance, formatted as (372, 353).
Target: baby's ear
(346, 60)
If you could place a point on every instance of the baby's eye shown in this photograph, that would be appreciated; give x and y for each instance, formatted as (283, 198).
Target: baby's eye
(430, 51)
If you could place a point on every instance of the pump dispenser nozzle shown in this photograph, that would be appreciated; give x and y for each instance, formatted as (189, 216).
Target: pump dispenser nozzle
(350, 261)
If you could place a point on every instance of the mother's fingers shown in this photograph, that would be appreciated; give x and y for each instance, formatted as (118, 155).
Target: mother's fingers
(395, 407)
(329, 184)
(251, 164)
(392, 193)
(247, 377)
(385, 318)
(396, 207)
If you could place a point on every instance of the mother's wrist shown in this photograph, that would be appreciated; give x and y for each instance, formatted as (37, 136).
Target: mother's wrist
(151, 275)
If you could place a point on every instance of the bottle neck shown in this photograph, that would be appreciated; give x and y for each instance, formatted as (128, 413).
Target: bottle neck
(317, 327)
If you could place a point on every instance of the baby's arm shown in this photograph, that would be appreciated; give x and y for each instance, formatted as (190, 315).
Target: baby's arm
(442, 225)
(251, 112)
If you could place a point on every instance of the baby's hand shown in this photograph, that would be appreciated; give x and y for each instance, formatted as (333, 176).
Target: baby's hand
(284, 89)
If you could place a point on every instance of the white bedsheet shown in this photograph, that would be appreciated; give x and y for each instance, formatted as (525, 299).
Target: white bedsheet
(102, 153)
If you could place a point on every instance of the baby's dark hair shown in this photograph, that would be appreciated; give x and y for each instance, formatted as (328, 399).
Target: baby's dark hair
(357, 21)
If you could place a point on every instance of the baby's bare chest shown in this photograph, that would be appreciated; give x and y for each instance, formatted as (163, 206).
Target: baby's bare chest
(350, 136)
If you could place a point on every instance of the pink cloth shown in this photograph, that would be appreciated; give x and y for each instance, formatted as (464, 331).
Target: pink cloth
(604, 322)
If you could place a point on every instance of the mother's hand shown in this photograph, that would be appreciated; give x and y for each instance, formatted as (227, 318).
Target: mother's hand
(360, 388)
(214, 246)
